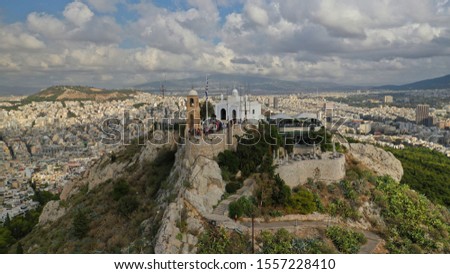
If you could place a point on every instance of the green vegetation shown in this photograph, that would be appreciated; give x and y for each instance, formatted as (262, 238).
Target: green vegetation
(311, 246)
(80, 224)
(6, 239)
(218, 241)
(120, 189)
(271, 192)
(128, 204)
(211, 111)
(302, 201)
(70, 114)
(408, 221)
(13, 230)
(139, 105)
(272, 196)
(128, 153)
(278, 243)
(244, 206)
(283, 242)
(108, 218)
(232, 187)
(343, 208)
(9, 108)
(426, 171)
(43, 197)
(255, 148)
(345, 240)
(229, 161)
(254, 152)
(414, 224)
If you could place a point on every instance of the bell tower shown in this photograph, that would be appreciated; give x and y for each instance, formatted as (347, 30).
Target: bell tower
(193, 112)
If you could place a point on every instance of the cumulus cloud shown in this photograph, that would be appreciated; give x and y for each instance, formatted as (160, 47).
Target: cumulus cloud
(78, 13)
(15, 38)
(46, 25)
(257, 14)
(96, 29)
(347, 41)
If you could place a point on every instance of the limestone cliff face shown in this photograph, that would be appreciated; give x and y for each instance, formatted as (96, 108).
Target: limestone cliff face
(101, 171)
(51, 212)
(200, 189)
(378, 160)
(206, 185)
(104, 169)
(190, 192)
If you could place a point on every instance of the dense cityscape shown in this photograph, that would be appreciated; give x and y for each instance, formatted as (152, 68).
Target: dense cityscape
(50, 143)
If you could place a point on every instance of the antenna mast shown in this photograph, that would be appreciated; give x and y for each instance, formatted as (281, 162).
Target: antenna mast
(163, 89)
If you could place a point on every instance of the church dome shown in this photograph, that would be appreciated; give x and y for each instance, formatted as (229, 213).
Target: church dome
(193, 92)
(235, 93)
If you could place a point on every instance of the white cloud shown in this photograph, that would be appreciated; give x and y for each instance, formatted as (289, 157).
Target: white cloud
(349, 41)
(340, 19)
(15, 38)
(46, 24)
(78, 13)
(257, 14)
(7, 64)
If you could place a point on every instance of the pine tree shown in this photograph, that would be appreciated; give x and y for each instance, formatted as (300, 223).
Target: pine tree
(80, 224)
(19, 249)
(7, 222)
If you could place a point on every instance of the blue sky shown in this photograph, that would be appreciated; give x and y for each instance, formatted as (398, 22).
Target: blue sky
(122, 43)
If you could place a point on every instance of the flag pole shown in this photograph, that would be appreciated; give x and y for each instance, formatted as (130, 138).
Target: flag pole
(206, 102)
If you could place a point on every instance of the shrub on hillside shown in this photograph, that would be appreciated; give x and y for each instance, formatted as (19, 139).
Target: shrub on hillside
(303, 201)
(229, 160)
(244, 206)
(232, 187)
(345, 240)
(120, 189)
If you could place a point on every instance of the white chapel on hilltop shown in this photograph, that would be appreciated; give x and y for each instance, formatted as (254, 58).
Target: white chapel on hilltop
(238, 108)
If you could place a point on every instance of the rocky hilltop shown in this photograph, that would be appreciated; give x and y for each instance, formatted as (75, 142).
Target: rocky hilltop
(376, 159)
(66, 93)
(162, 198)
(171, 199)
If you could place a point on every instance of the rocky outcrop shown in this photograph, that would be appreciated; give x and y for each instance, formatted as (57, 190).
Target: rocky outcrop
(378, 160)
(200, 187)
(206, 186)
(51, 212)
(103, 171)
(106, 169)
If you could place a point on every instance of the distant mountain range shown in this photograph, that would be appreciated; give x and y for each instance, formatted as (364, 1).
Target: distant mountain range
(265, 85)
(253, 84)
(435, 83)
(218, 83)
